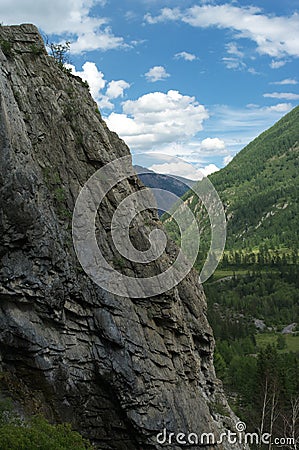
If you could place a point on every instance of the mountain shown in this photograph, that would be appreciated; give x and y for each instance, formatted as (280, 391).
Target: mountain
(120, 364)
(173, 184)
(259, 191)
(259, 188)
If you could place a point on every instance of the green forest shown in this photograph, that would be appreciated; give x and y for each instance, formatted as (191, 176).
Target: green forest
(257, 366)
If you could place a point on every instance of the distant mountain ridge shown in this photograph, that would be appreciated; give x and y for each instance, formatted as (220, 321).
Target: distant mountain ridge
(171, 183)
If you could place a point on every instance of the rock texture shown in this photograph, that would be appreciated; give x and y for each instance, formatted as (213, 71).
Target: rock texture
(119, 369)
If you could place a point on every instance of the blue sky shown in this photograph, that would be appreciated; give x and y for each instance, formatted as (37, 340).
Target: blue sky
(193, 79)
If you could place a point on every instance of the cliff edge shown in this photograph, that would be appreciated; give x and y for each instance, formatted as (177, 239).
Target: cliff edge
(119, 369)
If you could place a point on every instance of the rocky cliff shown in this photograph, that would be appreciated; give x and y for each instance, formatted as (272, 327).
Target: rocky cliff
(119, 369)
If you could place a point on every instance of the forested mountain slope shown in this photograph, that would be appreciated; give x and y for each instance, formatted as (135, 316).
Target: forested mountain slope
(259, 191)
(259, 188)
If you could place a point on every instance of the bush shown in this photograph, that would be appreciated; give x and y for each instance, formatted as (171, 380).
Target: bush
(60, 52)
(36, 433)
(36, 50)
(6, 47)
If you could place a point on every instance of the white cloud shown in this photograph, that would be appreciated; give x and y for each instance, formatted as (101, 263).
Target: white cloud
(166, 15)
(234, 60)
(157, 119)
(212, 144)
(93, 76)
(116, 89)
(68, 17)
(185, 55)
(147, 126)
(280, 107)
(252, 105)
(104, 102)
(285, 81)
(210, 168)
(282, 95)
(184, 169)
(276, 36)
(181, 169)
(96, 39)
(156, 73)
(276, 64)
(131, 16)
(97, 83)
(227, 159)
(191, 150)
(233, 49)
(233, 63)
(253, 71)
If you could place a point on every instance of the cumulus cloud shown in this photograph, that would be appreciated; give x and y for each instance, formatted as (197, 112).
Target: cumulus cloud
(158, 118)
(185, 55)
(282, 95)
(116, 89)
(210, 168)
(93, 76)
(276, 36)
(212, 144)
(97, 83)
(68, 17)
(184, 169)
(181, 169)
(156, 73)
(285, 81)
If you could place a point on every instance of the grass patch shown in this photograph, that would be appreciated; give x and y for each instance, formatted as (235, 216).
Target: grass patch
(292, 341)
(237, 271)
(223, 273)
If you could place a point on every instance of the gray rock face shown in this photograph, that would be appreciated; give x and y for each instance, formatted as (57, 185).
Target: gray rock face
(119, 369)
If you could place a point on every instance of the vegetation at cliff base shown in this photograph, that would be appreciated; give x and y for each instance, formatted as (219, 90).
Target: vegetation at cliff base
(36, 433)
